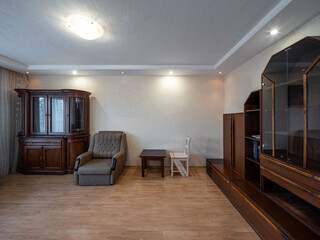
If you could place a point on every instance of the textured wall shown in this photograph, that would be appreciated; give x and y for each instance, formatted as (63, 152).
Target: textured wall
(155, 112)
(246, 78)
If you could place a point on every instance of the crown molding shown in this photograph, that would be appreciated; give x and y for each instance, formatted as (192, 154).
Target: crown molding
(120, 67)
(12, 64)
(277, 9)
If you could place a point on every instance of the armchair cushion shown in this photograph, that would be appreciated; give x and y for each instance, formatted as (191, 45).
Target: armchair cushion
(96, 167)
(107, 144)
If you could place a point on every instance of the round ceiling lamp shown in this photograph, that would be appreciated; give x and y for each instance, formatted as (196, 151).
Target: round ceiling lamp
(85, 27)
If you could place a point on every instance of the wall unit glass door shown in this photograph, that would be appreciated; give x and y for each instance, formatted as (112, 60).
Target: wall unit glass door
(291, 105)
(267, 116)
(77, 115)
(57, 115)
(39, 115)
(312, 158)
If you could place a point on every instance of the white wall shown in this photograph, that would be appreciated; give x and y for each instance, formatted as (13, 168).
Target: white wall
(246, 78)
(155, 112)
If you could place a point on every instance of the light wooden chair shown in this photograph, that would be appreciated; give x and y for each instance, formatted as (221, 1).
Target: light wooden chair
(178, 157)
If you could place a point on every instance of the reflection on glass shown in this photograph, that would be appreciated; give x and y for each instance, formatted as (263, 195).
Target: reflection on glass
(39, 114)
(266, 116)
(57, 115)
(77, 120)
(313, 145)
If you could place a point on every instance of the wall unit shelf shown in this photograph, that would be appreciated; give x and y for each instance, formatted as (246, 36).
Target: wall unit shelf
(254, 160)
(253, 110)
(252, 144)
(252, 138)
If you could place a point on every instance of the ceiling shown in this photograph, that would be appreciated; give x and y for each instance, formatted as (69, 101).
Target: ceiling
(144, 37)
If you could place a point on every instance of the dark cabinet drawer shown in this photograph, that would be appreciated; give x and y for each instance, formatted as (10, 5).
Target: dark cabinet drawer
(221, 181)
(254, 216)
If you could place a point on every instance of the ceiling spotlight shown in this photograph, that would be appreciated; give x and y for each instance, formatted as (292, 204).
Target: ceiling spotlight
(171, 72)
(85, 27)
(74, 72)
(220, 72)
(274, 31)
(122, 72)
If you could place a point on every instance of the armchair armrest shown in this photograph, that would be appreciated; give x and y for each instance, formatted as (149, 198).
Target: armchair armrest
(120, 156)
(82, 159)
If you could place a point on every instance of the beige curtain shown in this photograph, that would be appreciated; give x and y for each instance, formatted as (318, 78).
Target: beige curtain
(9, 119)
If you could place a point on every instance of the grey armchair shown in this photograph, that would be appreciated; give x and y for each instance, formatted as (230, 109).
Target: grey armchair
(104, 161)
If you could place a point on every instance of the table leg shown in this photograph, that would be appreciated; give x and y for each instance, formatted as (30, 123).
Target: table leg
(162, 166)
(142, 166)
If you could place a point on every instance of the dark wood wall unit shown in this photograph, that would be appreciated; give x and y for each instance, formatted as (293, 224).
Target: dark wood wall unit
(48, 143)
(233, 144)
(279, 193)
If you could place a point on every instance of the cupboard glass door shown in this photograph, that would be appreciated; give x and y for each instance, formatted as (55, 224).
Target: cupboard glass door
(312, 160)
(267, 116)
(57, 115)
(77, 115)
(39, 115)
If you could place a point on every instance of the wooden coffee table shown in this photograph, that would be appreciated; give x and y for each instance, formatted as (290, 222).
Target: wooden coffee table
(152, 154)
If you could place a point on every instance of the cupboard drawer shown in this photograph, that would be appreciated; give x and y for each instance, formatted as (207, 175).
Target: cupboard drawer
(42, 143)
(254, 216)
(292, 173)
(221, 181)
(209, 169)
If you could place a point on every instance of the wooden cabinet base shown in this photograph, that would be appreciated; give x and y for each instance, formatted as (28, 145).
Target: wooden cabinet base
(268, 218)
(47, 155)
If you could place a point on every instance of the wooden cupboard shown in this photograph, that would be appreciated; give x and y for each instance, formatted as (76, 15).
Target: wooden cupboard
(233, 144)
(54, 129)
(290, 154)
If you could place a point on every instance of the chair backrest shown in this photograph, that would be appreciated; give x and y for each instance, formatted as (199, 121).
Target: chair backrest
(187, 146)
(105, 144)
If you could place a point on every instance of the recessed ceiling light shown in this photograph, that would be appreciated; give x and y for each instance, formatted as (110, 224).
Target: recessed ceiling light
(122, 72)
(171, 72)
(274, 31)
(85, 27)
(74, 72)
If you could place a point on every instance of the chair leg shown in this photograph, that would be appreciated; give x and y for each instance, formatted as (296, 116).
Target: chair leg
(188, 168)
(171, 167)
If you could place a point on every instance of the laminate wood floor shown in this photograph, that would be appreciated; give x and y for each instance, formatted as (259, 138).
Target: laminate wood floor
(52, 207)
